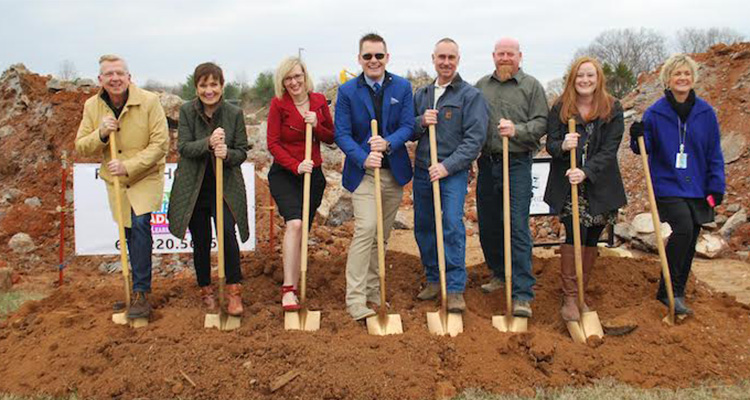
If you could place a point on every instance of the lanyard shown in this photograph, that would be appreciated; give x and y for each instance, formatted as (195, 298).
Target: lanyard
(682, 134)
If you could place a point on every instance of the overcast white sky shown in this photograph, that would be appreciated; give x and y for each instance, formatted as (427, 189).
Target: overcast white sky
(165, 40)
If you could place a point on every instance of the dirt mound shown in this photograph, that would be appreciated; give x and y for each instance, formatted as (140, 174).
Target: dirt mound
(66, 343)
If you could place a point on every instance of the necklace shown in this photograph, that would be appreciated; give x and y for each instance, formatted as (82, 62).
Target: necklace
(302, 102)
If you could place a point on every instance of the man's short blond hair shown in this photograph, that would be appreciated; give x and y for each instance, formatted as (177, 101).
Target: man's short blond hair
(112, 58)
(674, 62)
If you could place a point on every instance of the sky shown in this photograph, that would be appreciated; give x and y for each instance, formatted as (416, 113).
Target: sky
(164, 40)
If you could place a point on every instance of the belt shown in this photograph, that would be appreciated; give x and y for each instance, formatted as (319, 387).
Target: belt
(498, 157)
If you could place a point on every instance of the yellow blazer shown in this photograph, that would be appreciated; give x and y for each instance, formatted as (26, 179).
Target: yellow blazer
(142, 144)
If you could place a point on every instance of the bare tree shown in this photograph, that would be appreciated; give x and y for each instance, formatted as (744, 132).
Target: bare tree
(327, 83)
(640, 50)
(67, 71)
(695, 40)
(554, 89)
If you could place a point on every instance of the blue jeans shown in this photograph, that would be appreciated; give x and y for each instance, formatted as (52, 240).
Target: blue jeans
(490, 218)
(452, 195)
(139, 241)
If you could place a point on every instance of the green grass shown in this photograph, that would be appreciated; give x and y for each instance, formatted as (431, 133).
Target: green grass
(10, 301)
(609, 389)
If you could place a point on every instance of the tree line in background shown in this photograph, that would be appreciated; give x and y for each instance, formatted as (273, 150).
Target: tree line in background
(624, 53)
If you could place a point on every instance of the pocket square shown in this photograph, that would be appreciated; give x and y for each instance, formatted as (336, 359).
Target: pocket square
(394, 101)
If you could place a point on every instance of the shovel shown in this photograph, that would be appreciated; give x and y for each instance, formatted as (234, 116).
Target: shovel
(221, 321)
(121, 318)
(589, 325)
(508, 323)
(304, 319)
(669, 318)
(383, 323)
(441, 322)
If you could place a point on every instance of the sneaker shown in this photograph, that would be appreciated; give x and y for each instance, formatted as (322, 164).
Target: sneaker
(139, 306)
(522, 308)
(360, 311)
(494, 284)
(456, 302)
(430, 291)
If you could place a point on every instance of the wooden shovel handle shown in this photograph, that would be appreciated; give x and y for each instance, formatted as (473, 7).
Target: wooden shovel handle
(220, 227)
(120, 222)
(438, 223)
(305, 216)
(576, 221)
(657, 229)
(379, 215)
(506, 229)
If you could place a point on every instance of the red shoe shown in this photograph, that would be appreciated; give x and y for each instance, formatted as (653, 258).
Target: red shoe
(289, 307)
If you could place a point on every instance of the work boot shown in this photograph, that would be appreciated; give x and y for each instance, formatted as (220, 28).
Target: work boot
(456, 302)
(234, 299)
(680, 308)
(569, 310)
(522, 308)
(430, 291)
(360, 311)
(139, 306)
(208, 297)
(494, 284)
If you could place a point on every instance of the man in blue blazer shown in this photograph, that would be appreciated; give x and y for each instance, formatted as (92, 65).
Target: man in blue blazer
(374, 94)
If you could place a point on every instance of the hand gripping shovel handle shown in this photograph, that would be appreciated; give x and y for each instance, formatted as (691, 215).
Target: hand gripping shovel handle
(120, 223)
(439, 227)
(576, 221)
(380, 234)
(657, 230)
(506, 229)
(305, 216)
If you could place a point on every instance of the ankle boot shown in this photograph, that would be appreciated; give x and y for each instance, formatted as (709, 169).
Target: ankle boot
(234, 299)
(569, 310)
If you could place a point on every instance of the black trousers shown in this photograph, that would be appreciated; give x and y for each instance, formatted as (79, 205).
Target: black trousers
(685, 219)
(200, 229)
(589, 235)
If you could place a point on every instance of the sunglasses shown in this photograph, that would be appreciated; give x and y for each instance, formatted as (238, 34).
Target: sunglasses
(369, 56)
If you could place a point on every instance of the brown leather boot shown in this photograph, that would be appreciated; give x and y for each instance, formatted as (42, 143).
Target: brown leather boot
(569, 310)
(208, 297)
(589, 255)
(234, 299)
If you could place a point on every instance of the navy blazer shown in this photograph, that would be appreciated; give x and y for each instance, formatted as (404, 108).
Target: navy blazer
(355, 110)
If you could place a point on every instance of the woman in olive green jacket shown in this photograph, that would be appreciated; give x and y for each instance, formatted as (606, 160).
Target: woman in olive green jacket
(209, 128)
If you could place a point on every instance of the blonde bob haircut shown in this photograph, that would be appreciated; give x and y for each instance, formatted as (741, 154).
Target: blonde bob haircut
(283, 70)
(674, 62)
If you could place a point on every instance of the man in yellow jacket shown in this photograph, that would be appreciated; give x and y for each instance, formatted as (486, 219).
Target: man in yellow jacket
(137, 118)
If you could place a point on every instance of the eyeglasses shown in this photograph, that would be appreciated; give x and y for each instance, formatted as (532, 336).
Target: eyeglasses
(296, 77)
(369, 56)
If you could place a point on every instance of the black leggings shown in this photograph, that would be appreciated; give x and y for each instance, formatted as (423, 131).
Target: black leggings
(681, 245)
(589, 234)
(200, 229)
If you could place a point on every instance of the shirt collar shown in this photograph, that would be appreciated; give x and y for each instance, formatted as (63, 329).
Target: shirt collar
(516, 77)
(371, 83)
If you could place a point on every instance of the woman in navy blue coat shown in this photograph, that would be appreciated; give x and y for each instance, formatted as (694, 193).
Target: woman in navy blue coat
(681, 133)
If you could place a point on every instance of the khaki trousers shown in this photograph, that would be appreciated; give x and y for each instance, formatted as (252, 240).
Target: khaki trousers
(362, 282)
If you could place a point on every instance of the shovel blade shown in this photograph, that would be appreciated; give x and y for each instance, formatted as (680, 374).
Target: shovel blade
(575, 328)
(451, 324)
(122, 319)
(222, 322)
(510, 323)
(302, 320)
(591, 324)
(389, 324)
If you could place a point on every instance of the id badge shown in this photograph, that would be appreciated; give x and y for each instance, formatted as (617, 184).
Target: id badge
(681, 161)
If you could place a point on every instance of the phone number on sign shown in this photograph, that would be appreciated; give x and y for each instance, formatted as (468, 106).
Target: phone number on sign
(171, 244)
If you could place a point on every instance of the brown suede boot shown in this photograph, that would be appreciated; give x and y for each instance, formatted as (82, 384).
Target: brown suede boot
(589, 255)
(569, 310)
(208, 297)
(234, 299)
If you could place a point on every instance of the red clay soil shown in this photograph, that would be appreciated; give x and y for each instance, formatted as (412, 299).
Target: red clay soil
(66, 342)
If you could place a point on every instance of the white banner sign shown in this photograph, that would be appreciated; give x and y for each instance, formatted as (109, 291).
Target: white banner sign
(96, 230)
(539, 175)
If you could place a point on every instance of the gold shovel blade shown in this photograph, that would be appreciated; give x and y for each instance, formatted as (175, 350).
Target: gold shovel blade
(222, 322)
(122, 319)
(453, 326)
(302, 320)
(591, 324)
(389, 324)
(575, 329)
(510, 323)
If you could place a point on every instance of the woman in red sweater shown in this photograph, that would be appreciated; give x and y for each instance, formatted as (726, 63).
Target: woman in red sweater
(294, 106)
